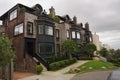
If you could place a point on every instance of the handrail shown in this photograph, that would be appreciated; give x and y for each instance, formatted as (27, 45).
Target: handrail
(42, 60)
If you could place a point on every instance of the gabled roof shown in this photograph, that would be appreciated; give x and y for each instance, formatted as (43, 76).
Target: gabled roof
(20, 5)
(65, 17)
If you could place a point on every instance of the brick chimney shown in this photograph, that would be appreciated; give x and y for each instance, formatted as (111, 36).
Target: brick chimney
(75, 19)
(87, 26)
(52, 11)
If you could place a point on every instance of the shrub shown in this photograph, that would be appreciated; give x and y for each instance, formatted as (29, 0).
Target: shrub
(67, 62)
(85, 58)
(39, 69)
(61, 64)
(52, 59)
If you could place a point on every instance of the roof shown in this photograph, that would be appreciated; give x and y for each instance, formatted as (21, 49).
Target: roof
(20, 5)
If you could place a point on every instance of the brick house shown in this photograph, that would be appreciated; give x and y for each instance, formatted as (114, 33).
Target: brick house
(35, 35)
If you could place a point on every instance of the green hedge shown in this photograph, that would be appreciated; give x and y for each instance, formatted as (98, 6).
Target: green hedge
(85, 58)
(61, 64)
(52, 59)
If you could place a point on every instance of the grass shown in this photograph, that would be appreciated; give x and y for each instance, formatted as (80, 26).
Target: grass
(95, 66)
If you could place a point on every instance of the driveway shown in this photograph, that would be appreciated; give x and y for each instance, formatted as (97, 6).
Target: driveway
(98, 75)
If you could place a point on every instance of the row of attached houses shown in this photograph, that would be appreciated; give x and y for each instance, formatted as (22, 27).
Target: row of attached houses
(36, 35)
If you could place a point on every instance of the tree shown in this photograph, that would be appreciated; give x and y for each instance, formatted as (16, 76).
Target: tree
(6, 54)
(69, 47)
(90, 48)
(104, 52)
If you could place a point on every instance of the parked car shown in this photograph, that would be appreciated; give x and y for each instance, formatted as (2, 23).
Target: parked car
(115, 75)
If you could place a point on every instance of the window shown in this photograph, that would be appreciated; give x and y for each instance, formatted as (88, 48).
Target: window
(57, 33)
(68, 34)
(40, 27)
(73, 34)
(30, 28)
(78, 35)
(13, 15)
(46, 48)
(48, 30)
(18, 29)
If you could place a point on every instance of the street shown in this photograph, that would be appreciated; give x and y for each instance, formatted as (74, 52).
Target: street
(98, 75)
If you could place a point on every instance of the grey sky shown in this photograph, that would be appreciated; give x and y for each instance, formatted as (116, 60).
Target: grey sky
(102, 15)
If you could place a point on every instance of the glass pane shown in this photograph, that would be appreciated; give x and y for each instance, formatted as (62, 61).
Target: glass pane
(57, 33)
(48, 30)
(46, 47)
(67, 34)
(21, 28)
(16, 30)
(40, 29)
(13, 14)
(30, 28)
(78, 35)
(73, 34)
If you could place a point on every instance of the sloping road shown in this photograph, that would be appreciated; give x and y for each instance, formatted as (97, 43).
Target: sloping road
(98, 75)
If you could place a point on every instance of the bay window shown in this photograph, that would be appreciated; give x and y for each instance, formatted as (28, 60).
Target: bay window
(78, 35)
(48, 30)
(46, 48)
(41, 30)
(73, 34)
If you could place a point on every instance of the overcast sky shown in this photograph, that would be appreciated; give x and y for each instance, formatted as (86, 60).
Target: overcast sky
(103, 16)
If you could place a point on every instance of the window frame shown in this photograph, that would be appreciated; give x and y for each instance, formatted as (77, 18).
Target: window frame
(39, 32)
(48, 27)
(68, 34)
(73, 34)
(45, 47)
(57, 33)
(18, 28)
(13, 14)
(78, 35)
(28, 29)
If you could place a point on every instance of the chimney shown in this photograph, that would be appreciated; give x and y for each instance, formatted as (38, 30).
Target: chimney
(75, 19)
(52, 11)
(87, 26)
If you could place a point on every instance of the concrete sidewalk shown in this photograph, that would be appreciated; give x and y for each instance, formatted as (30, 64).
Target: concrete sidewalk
(57, 75)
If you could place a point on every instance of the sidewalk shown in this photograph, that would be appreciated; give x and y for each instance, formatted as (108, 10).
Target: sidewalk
(58, 75)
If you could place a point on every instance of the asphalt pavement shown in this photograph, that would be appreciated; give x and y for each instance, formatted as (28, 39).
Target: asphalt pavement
(98, 75)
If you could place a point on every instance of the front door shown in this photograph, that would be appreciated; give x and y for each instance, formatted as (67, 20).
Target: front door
(30, 46)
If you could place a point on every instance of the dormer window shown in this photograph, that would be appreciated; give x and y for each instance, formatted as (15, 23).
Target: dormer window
(13, 14)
